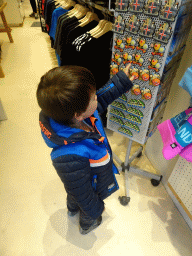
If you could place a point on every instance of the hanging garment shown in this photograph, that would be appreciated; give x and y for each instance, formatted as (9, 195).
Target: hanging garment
(55, 16)
(91, 53)
(49, 8)
(64, 24)
(176, 135)
(186, 82)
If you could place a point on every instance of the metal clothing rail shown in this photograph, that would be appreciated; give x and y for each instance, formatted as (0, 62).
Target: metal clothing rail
(42, 21)
(126, 167)
(108, 11)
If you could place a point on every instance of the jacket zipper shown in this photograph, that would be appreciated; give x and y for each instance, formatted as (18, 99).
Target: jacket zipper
(100, 92)
(94, 182)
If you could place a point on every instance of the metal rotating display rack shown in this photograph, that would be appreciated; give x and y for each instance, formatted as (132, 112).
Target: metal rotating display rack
(133, 115)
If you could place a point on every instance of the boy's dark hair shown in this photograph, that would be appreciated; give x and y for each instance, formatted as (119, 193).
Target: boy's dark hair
(64, 91)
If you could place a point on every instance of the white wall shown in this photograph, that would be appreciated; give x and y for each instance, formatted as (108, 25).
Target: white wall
(13, 13)
(178, 101)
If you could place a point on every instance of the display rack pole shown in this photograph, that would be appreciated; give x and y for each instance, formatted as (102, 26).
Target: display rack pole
(126, 167)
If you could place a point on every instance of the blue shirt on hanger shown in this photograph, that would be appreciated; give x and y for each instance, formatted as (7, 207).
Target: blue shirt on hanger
(56, 14)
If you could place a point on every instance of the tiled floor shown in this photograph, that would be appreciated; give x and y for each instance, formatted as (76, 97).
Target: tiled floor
(33, 214)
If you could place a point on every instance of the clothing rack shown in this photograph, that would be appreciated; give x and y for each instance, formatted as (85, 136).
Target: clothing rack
(108, 13)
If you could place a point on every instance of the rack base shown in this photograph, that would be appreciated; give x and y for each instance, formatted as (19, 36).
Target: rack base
(126, 167)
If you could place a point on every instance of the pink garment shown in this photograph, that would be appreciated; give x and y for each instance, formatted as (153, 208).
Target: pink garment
(168, 132)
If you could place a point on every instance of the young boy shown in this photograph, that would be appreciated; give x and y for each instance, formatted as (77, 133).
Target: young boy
(71, 125)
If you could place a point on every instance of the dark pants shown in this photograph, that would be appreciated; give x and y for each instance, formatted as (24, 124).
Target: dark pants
(33, 5)
(84, 220)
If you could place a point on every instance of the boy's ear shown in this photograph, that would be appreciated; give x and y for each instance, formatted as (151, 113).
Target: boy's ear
(78, 117)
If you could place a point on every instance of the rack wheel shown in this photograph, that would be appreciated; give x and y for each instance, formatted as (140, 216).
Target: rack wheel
(139, 155)
(124, 200)
(156, 183)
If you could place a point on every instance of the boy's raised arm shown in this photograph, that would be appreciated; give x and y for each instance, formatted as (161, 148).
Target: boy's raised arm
(115, 87)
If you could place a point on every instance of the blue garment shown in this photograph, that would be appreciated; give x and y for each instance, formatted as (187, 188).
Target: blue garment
(58, 59)
(55, 15)
(83, 160)
(186, 81)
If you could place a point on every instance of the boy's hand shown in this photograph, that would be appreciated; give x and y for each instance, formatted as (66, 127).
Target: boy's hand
(126, 70)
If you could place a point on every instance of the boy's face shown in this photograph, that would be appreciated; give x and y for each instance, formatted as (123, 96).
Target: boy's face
(90, 109)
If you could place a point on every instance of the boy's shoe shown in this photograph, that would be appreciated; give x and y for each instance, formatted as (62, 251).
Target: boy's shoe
(36, 16)
(71, 214)
(95, 224)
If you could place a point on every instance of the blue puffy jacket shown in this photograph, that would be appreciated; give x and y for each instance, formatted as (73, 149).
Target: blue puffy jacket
(83, 160)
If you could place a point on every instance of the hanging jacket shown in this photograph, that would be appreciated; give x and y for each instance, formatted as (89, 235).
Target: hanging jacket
(83, 160)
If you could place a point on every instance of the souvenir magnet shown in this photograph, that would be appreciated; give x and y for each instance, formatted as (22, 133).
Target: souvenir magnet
(154, 64)
(142, 45)
(138, 60)
(158, 49)
(121, 5)
(133, 25)
(117, 58)
(136, 6)
(125, 131)
(119, 44)
(169, 11)
(127, 58)
(119, 105)
(144, 74)
(114, 69)
(133, 119)
(135, 112)
(116, 120)
(130, 43)
(152, 7)
(132, 126)
(135, 90)
(123, 97)
(136, 103)
(134, 72)
(155, 80)
(117, 112)
(119, 25)
(148, 28)
(163, 34)
(146, 94)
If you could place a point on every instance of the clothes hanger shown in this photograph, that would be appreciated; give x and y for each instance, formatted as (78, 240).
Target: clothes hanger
(107, 27)
(61, 2)
(71, 12)
(90, 16)
(82, 12)
(69, 4)
(78, 11)
(98, 28)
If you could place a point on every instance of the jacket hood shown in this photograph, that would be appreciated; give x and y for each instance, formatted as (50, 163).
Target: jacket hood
(56, 134)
